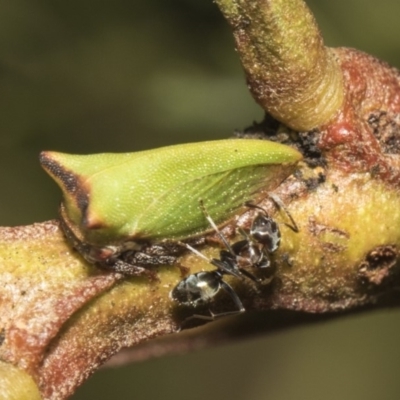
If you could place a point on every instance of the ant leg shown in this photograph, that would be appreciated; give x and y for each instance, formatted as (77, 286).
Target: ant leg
(234, 297)
(212, 223)
(250, 276)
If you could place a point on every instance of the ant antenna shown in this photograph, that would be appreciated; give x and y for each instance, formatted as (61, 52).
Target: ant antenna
(212, 223)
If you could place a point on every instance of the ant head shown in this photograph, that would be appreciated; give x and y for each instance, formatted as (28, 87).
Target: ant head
(264, 229)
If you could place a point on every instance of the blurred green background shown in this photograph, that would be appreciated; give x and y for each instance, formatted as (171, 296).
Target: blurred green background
(88, 76)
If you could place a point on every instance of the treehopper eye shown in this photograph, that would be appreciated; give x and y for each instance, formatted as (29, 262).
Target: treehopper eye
(123, 211)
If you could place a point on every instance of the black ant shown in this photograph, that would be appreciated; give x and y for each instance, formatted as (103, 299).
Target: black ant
(253, 251)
